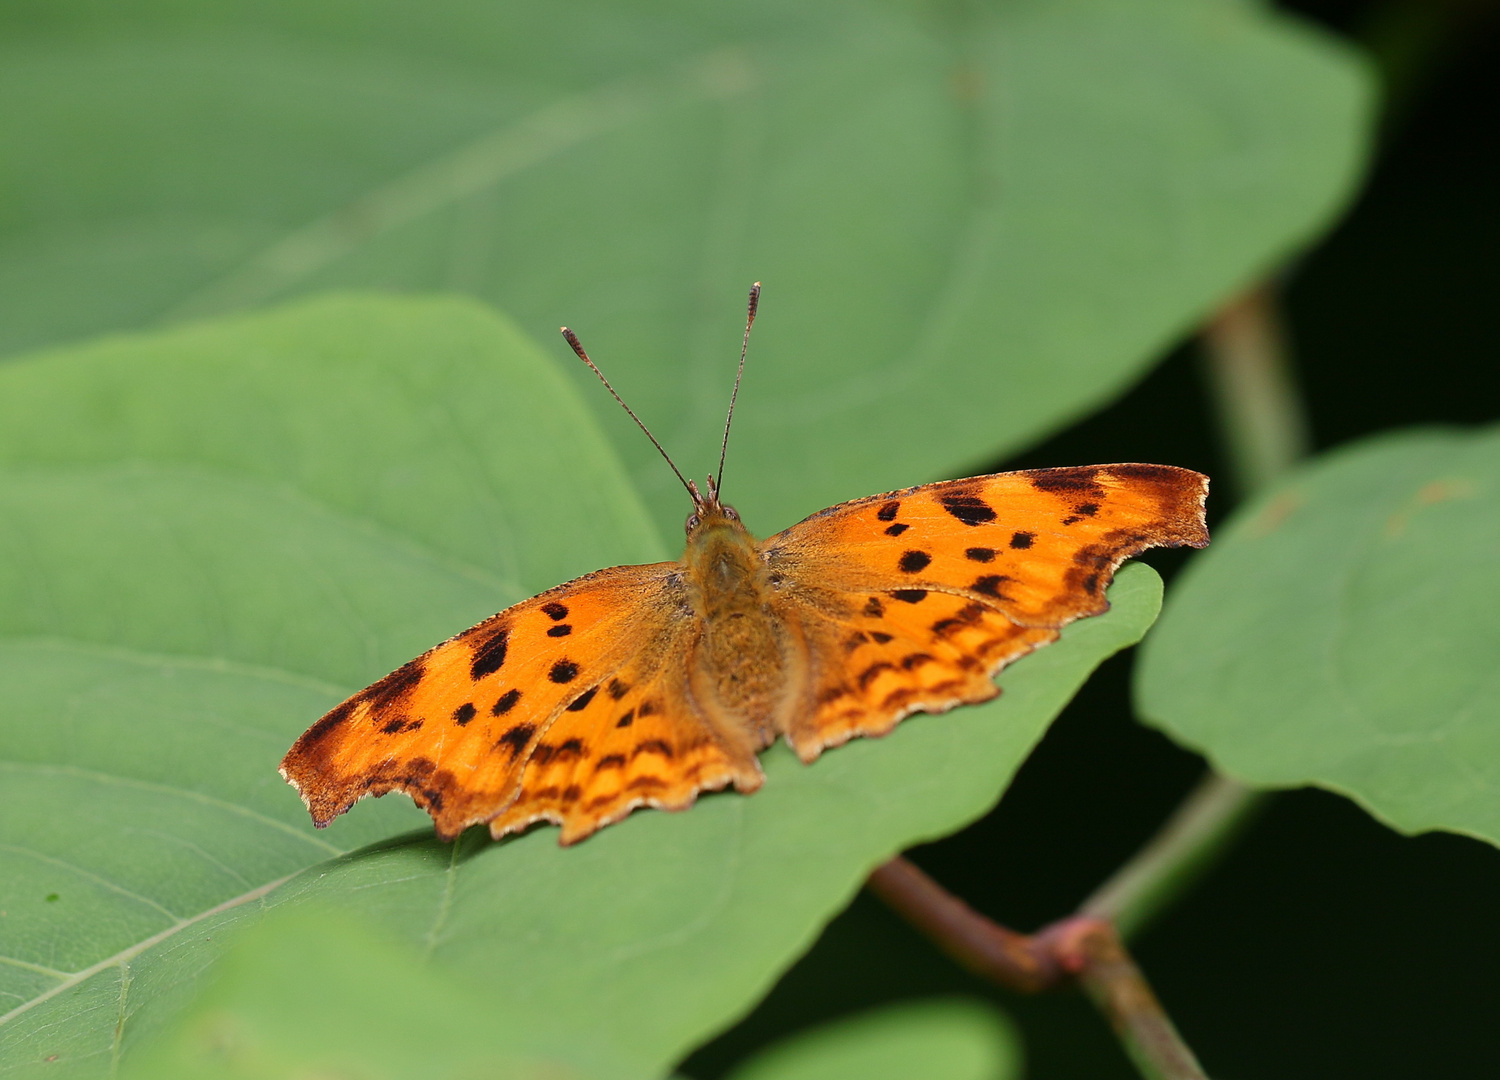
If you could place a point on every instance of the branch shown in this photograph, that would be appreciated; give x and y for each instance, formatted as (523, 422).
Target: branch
(1266, 431)
(1014, 960)
(1081, 950)
(1264, 423)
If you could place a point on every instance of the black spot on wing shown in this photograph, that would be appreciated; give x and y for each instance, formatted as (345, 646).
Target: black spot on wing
(1086, 509)
(874, 608)
(571, 748)
(610, 761)
(464, 713)
(980, 554)
(330, 720)
(968, 508)
(990, 585)
(896, 529)
(555, 611)
(888, 511)
(1080, 479)
(909, 596)
(515, 739)
(506, 703)
(967, 616)
(652, 746)
(879, 637)
(871, 673)
(649, 708)
(564, 671)
(581, 702)
(489, 654)
(1160, 474)
(627, 719)
(913, 561)
(560, 630)
(618, 689)
(390, 690)
(1021, 540)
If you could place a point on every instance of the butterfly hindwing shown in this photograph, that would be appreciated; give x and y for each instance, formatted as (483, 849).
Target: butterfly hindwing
(641, 740)
(879, 657)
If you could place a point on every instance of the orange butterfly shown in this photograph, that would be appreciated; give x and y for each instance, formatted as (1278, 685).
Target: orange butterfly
(645, 685)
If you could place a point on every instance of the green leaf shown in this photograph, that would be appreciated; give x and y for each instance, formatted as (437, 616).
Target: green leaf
(312, 994)
(1343, 631)
(929, 1040)
(208, 537)
(975, 222)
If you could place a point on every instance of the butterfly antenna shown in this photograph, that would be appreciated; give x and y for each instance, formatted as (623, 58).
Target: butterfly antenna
(572, 340)
(744, 346)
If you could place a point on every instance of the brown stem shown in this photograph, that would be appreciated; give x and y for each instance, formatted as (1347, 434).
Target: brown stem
(975, 942)
(1081, 950)
(1266, 432)
(1092, 949)
(1250, 372)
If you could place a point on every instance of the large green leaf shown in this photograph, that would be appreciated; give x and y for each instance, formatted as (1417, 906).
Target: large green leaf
(975, 221)
(929, 1040)
(313, 994)
(1344, 632)
(309, 994)
(208, 537)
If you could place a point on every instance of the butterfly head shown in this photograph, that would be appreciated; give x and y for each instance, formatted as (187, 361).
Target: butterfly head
(708, 511)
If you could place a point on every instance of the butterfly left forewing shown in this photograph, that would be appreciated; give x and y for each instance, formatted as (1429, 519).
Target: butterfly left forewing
(912, 600)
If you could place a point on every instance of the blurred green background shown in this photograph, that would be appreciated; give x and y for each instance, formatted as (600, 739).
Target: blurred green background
(1325, 944)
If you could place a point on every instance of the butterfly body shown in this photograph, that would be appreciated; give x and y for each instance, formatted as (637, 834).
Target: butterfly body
(744, 664)
(646, 685)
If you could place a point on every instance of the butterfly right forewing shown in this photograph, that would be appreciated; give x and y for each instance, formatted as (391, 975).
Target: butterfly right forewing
(456, 727)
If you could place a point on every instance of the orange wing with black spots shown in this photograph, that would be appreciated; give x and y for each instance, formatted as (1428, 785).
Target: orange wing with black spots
(503, 714)
(915, 598)
(640, 741)
(646, 685)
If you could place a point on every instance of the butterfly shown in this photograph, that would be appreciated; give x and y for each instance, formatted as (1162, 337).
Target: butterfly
(646, 685)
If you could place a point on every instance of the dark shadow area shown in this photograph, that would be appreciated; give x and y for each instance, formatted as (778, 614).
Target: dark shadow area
(1325, 944)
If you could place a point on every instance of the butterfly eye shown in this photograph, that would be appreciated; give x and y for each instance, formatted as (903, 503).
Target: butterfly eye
(731, 513)
(692, 522)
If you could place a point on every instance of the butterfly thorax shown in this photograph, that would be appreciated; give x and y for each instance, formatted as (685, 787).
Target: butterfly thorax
(742, 659)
